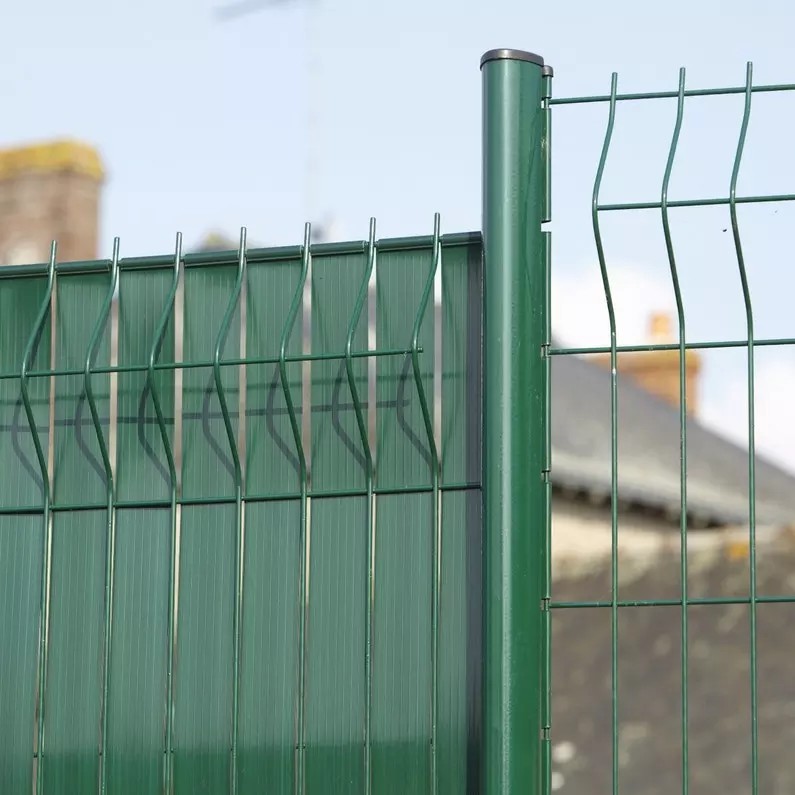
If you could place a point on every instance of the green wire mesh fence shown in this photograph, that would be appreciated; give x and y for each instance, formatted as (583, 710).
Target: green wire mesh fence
(747, 776)
(282, 519)
(238, 514)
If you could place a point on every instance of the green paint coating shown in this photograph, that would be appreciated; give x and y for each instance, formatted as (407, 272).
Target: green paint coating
(513, 424)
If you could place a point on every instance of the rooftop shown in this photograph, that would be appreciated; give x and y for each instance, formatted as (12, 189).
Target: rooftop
(50, 157)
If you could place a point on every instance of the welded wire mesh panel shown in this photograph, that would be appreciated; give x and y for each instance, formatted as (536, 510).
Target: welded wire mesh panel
(240, 526)
(657, 669)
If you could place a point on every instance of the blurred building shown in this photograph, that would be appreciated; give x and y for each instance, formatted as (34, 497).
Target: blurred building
(49, 191)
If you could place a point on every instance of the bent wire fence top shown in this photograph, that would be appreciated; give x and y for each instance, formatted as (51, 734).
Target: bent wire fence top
(750, 343)
(206, 597)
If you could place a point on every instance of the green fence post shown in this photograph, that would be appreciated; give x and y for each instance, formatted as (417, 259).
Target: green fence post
(513, 420)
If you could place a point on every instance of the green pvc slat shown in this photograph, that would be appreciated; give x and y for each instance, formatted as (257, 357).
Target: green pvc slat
(462, 328)
(204, 656)
(335, 647)
(203, 700)
(20, 578)
(136, 709)
(403, 455)
(337, 458)
(74, 676)
(272, 462)
(207, 468)
(402, 648)
(460, 646)
(21, 484)
(139, 652)
(142, 467)
(79, 473)
(21, 537)
(269, 672)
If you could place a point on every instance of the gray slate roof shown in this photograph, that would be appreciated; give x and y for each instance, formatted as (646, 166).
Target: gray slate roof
(648, 452)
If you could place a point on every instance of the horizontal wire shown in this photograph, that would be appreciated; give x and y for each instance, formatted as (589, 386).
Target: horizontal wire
(722, 200)
(695, 602)
(198, 501)
(693, 92)
(671, 346)
(141, 368)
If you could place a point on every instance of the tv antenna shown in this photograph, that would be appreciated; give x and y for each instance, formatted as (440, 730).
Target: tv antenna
(240, 9)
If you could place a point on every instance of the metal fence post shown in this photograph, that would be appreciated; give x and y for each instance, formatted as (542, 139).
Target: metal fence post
(513, 420)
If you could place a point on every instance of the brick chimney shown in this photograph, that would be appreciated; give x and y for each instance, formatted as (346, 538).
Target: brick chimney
(658, 371)
(49, 191)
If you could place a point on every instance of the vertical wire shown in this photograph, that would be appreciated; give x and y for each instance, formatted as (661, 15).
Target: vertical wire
(682, 422)
(232, 439)
(370, 475)
(435, 478)
(295, 426)
(33, 341)
(110, 540)
(613, 425)
(168, 773)
(751, 438)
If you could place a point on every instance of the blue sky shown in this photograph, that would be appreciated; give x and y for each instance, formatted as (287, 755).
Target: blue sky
(203, 126)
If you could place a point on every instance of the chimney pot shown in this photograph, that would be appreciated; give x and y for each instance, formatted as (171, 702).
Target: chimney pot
(660, 327)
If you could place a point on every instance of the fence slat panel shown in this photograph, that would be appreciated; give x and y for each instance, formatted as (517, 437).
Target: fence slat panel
(460, 646)
(335, 646)
(21, 537)
(142, 467)
(139, 650)
(337, 458)
(404, 458)
(270, 654)
(204, 659)
(462, 330)
(272, 463)
(402, 661)
(74, 678)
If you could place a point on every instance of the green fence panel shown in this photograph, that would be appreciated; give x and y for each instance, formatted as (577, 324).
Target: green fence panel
(142, 466)
(79, 474)
(21, 536)
(206, 465)
(139, 651)
(74, 675)
(462, 329)
(270, 673)
(404, 459)
(460, 624)
(269, 676)
(337, 458)
(402, 663)
(335, 681)
(138, 662)
(626, 607)
(79, 543)
(20, 575)
(460, 665)
(204, 668)
(262, 631)
(272, 465)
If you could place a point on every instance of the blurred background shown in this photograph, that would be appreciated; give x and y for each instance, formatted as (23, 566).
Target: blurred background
(204, 117)
(141, 119)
